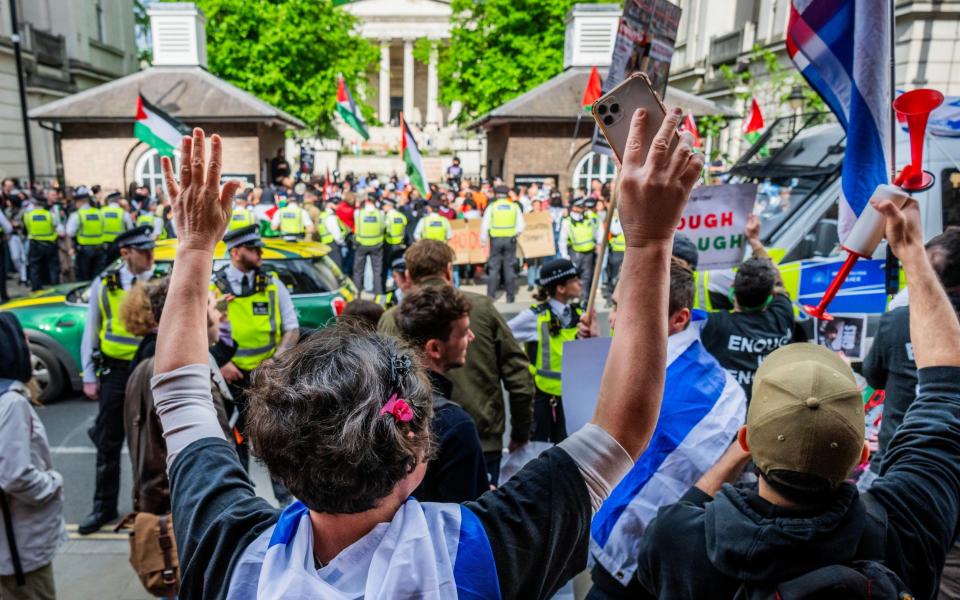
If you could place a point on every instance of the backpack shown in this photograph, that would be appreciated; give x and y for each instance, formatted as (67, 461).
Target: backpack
(866, 579)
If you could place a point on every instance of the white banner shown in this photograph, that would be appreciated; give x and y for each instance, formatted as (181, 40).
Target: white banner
(714, 220)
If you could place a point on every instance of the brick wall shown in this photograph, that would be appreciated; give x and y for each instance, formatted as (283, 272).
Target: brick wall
(537, 148)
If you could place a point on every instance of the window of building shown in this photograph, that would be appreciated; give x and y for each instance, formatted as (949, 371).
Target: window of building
(101, 23)
(593, 166)
(148, 172)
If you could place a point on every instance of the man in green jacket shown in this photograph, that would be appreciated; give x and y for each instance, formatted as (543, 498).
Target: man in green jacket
(493, 357)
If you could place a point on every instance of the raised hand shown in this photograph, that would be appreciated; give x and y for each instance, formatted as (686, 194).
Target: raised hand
(903, 231)
(201, 209)
(653, 194)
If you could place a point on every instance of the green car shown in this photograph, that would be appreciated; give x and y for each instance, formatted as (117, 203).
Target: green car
(53, 318)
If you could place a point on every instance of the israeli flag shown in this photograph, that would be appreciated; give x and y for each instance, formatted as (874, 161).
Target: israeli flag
(703, 407)
(428, 551)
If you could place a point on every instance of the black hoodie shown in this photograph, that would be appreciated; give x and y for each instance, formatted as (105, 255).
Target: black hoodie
(15, 363)
(701, 548)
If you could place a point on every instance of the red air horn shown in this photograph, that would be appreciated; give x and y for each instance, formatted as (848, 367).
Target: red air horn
(916, 106)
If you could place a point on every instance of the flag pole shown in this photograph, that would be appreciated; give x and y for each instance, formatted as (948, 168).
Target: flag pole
(892, 263)
(576, 130)
(604, 242)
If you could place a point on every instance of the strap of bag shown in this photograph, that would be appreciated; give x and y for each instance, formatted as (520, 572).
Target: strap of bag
(11, 541)
(166, 544)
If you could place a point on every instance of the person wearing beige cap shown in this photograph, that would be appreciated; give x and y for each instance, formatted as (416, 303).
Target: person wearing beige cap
(802, 526)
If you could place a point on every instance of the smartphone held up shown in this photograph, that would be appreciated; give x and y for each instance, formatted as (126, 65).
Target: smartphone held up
(614, 110)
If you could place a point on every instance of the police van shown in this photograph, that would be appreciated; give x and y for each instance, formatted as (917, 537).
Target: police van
(796, 164)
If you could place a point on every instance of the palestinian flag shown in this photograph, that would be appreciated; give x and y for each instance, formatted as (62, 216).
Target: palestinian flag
(690, 125)
(411, 157)
(592, 92)
(348, 111)
(753, 123)
(157, 129)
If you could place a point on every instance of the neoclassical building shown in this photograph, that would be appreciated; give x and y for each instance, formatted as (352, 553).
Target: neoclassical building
(402, 82)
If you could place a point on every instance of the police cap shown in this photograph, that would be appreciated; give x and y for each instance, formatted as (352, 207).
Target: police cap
(138, 238)
(248, 236)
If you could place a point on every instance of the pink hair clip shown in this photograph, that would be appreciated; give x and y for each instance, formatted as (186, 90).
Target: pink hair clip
(398, 408)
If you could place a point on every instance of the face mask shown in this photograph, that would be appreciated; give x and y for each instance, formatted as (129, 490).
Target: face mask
(576, 216)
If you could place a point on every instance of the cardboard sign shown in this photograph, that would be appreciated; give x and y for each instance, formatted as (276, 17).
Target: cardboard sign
(466, 242)
(714, 220)
(536, 241)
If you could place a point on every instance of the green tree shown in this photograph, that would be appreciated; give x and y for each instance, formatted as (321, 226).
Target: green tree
(288, 53)
(500, 49)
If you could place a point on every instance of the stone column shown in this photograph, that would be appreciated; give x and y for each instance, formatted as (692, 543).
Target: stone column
(408, 80)
(433, 112)
(384, 81)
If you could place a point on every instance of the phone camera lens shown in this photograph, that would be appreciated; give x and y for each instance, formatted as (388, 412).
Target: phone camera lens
(608, 120)
(602, 109)
(614, 108)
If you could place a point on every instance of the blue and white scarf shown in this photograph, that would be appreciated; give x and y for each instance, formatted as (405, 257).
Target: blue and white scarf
(428, 551)
(702, 409)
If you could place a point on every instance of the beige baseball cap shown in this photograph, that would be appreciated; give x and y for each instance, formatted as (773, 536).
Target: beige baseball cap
(806, 415)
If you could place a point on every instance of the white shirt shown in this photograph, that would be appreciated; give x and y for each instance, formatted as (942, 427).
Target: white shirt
(524, 325)
(485, 223)
(5, 225)
(91, 329)
(332, 223)
(288, 313)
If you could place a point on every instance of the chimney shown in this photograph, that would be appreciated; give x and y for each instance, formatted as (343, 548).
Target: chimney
(179, 38)
(591, 33)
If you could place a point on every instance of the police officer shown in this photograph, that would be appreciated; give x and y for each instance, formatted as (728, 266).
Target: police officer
(241, 216)
(578, 242)
(85, 225)
(368, 236)
(433, 227)
(292, 221)
(395, 227)
(106, 351)
(618, 244)
(401, 284)
(43, 230)
(263, 322)
(502, 223)
(115, 221)
(332, 231)
(544, 328)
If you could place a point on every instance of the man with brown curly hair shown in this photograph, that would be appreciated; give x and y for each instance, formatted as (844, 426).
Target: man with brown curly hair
(436, 321)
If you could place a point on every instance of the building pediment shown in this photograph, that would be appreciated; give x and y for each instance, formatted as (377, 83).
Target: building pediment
(393, 10)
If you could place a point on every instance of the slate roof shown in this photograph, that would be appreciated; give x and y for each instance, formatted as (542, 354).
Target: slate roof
(188, 93)
(558, 100)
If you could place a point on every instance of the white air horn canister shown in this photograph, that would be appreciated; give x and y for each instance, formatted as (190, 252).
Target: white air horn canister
(866, 234)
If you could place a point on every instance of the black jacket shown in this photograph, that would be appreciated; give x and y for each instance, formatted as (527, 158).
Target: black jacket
(698, 548)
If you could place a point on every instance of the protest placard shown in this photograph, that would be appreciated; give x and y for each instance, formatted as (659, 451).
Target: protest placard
(645, 40)
(714, 220)
(582, 369)
(845, 334)
(466, 242)
(536, 241)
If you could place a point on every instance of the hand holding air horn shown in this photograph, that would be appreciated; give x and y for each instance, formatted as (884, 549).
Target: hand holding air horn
(862, 241)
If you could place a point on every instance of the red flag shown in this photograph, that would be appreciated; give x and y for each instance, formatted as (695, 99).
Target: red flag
(593, 90)
(754, 120)
(690, 125)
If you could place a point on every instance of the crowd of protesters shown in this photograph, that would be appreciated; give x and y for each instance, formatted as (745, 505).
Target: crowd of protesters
(714, 466)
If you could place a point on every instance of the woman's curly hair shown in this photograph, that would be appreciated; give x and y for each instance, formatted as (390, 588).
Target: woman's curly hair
(141, 307)
(314, 418)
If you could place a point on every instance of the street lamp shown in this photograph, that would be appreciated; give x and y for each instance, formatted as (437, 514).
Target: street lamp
(795, 99)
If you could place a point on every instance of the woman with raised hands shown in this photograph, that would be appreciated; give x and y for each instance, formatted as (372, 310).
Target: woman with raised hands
(344, 423)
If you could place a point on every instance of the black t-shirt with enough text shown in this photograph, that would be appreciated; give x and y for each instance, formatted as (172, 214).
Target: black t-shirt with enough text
(740, 340)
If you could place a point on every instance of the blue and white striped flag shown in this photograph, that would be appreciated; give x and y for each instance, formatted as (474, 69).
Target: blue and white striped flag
(842, 48)
(703, 407)
(428, 551)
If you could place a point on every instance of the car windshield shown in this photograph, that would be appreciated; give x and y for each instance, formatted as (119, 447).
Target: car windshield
(315, 275)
